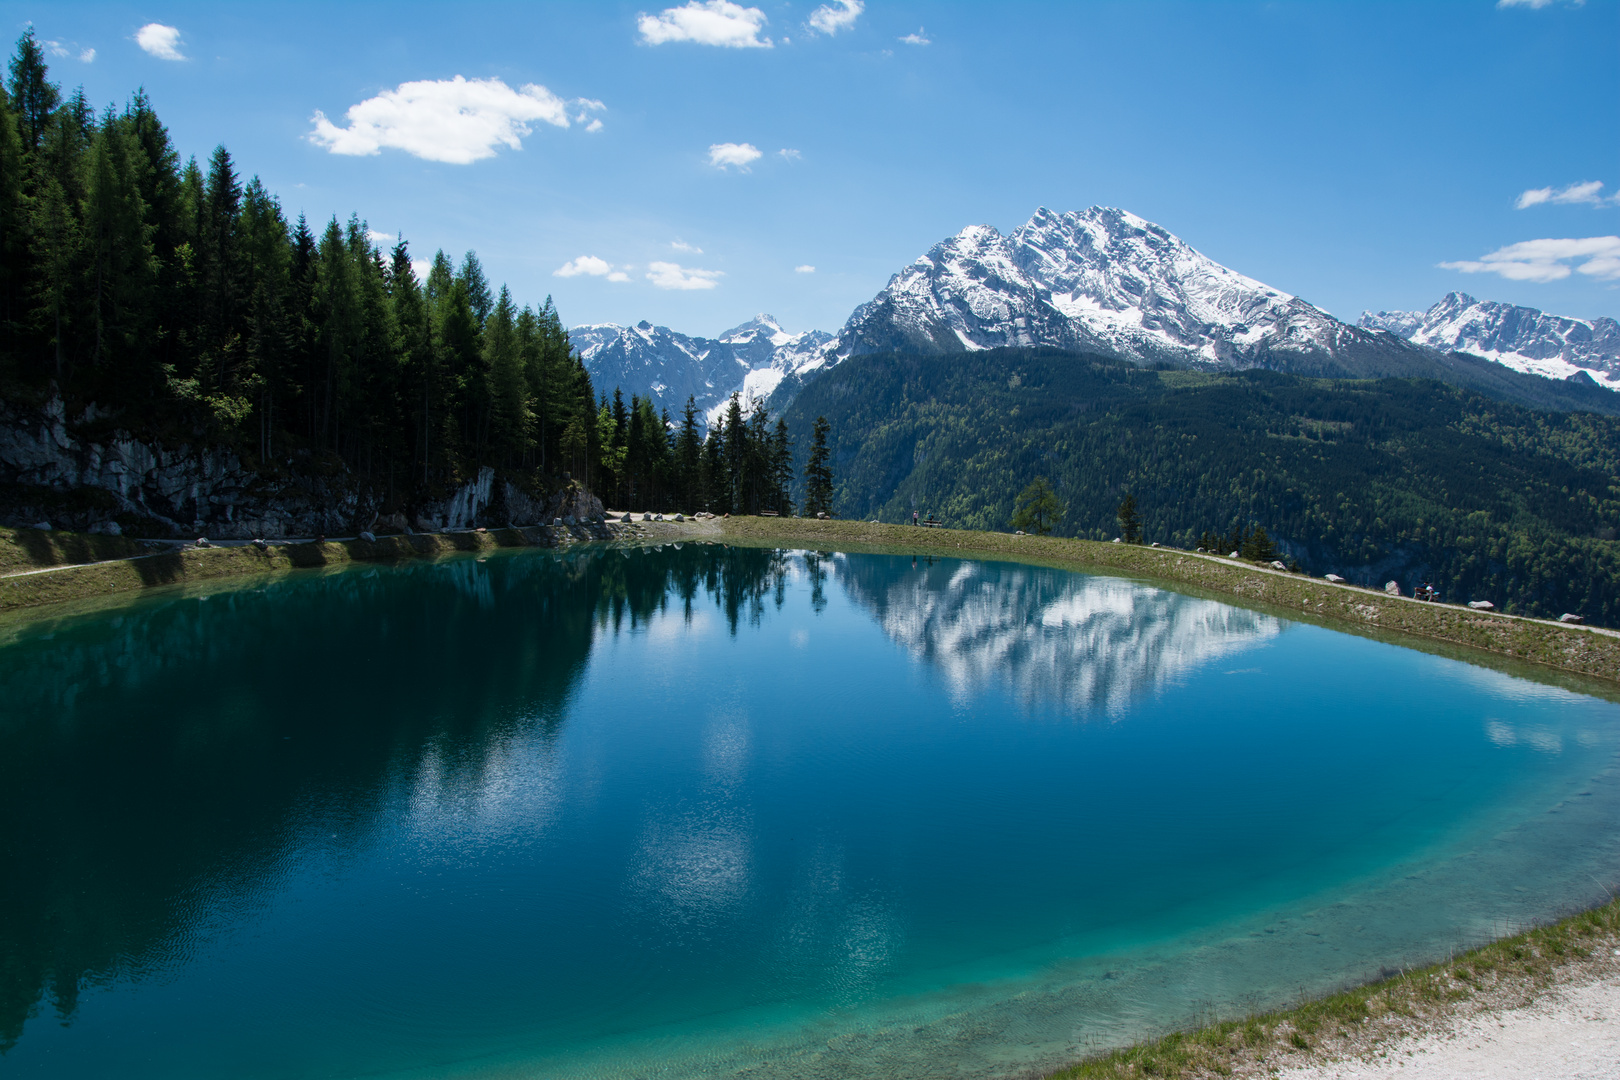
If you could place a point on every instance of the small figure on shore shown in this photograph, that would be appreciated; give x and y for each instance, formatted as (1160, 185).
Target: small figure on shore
(914, 517)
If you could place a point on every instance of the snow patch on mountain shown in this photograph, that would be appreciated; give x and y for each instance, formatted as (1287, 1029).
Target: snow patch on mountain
(668, 366)
(1521, 338)
(1102, 280)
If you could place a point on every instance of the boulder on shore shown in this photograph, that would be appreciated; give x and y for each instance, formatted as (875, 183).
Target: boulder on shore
(1335, 578)
(1392, 587)
(1482, 605)
(1278, 564)
(1568, 617)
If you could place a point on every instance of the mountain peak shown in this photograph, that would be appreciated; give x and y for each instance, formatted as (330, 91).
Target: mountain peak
(1521, 338)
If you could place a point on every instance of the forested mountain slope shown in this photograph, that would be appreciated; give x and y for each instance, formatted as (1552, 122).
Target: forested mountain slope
(1393, 478)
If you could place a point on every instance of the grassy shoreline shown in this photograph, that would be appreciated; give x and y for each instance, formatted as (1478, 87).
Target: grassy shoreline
(1364, 1021)
(1587, 651)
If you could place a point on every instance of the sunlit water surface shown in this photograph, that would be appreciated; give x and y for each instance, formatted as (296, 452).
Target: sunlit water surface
(709, 811)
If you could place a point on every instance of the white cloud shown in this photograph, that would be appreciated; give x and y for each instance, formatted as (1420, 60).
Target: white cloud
(805, 269)
(839, 15)
(682, 245)
(421, 268)
(789, 155)
(1549, 260)
(88, 56)
(919, 38)
(161, 41)
(1534, 5)
(618, 276)
(665, 275)
(56, 48)
(1589, 192)
(585, 264)
(594, 126)
(729, 153)
(452, 120)
(706, 22)
(379, 237)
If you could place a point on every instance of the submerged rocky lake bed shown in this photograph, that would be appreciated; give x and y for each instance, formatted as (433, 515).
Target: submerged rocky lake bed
(707, 811)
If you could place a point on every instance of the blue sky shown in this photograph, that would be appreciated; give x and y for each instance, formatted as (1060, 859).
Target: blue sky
(1339, 151)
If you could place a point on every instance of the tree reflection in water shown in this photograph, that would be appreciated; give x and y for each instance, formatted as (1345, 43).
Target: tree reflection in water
(161, 760)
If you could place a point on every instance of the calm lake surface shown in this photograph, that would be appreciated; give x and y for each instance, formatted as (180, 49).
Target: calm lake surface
(695, 811)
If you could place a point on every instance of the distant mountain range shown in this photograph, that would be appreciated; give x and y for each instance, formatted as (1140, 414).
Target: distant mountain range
(1521, 338)
(1107, 282)
(670, 366)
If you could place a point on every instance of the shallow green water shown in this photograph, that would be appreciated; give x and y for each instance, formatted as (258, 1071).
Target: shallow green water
(706, 811)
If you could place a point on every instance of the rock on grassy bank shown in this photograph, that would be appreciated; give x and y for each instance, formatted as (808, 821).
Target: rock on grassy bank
(1581, 649)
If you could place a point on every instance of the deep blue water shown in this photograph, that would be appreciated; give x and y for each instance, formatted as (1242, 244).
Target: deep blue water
(689, 812)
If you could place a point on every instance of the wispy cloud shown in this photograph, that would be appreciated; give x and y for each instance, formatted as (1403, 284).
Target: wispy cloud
(836, 16)
(1534, 5)
(665, 275)
(805, 269)
(919, 38)
(789, 155)
(591, 266)
(682, 245)
(457, 120)
(706, 22)
(1549, 260)
(161, 41)
(379, 237)
(737, 155)
(64, 49)
(1589, 193)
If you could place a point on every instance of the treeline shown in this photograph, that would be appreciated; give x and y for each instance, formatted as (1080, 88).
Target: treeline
(743, 464)
(1392, 478)
(184, 304)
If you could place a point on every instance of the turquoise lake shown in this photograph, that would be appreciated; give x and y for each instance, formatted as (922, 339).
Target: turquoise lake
(708, 811)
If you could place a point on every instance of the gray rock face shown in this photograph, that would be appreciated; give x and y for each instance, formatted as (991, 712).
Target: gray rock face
(1521, 338)
(657, 362)
(189, 491)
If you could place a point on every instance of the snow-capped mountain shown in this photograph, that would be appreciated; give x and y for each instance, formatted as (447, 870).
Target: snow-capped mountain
(1106, 281)
(1521, 338)
(669, 366)
(1099, 280)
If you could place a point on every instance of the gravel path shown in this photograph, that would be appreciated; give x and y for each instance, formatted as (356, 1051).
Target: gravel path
(1572, 1033)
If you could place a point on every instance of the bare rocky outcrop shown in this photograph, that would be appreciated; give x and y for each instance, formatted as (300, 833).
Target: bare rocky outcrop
(50, 473)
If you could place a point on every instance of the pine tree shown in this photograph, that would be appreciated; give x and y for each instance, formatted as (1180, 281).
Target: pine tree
(688, 459)
(1130, 520)
(818, 476)
(1259, 546)
(781, 469)
(511, 393)
(471, 276)
(1037, 507)
(33, 95)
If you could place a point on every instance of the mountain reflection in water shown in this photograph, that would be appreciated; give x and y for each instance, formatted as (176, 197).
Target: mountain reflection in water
(1057, 639)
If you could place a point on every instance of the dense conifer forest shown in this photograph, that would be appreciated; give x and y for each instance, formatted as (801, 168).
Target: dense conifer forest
(1379, 479)
(181, 303)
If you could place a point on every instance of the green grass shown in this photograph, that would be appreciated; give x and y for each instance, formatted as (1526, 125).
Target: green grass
(1508, 971)
(34, 549)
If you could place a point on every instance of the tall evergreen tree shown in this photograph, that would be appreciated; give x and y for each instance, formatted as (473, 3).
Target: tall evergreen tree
(818, 475)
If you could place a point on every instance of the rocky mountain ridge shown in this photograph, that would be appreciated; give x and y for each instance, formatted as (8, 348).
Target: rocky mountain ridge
(668, 366)
(1522, 338)
(1106, 281)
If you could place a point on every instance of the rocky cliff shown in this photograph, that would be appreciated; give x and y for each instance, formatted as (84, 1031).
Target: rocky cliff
(51, 473)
